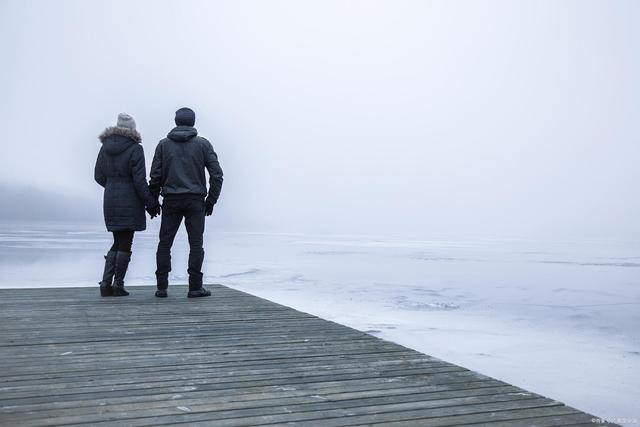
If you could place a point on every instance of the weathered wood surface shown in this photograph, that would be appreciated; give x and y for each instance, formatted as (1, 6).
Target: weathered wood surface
(69, 357)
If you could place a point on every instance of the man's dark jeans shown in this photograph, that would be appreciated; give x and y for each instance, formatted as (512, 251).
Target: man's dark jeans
(173, 210)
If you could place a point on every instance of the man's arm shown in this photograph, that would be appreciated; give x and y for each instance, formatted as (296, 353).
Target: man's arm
(215, 176)
(155, 173)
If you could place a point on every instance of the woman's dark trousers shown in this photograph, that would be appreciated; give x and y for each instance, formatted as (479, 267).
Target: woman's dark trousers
(173, 210)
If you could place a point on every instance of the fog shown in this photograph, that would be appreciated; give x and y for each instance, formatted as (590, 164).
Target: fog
(409, 118)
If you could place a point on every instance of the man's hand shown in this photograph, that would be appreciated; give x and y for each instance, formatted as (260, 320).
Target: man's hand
(208, 206)
(154, 211)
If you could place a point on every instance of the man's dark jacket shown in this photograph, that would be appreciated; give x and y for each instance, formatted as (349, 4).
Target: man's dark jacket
(121, 171)
(179, 163)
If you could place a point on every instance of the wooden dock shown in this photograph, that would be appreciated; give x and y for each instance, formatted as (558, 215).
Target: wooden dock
(69, 357)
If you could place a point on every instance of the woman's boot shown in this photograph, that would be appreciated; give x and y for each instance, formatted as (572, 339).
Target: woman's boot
(122, 263)
(106, 290)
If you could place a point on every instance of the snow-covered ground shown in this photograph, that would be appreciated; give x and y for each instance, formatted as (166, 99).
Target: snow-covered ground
(558, 318)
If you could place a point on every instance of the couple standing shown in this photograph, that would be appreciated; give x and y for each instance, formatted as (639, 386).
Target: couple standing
(178, 173)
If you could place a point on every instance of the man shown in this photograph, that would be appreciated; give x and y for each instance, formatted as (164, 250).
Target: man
(177, 172)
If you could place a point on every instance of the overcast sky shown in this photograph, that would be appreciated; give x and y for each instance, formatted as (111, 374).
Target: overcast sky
(414, 118)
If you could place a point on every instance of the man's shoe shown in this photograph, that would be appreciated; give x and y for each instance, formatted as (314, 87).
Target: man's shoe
(198, 293)
(161, 293)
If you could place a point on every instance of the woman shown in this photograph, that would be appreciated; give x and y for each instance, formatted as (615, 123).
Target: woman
(121, 171)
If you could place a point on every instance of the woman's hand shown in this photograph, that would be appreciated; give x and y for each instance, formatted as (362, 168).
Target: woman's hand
(154, 211)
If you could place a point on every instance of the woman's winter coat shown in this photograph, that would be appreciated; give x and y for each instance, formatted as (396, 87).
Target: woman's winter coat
(120, 169)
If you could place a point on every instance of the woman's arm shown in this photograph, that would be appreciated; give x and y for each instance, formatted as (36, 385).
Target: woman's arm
(139, 176)
(98, 174)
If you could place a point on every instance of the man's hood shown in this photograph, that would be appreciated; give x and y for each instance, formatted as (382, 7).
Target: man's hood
(117, 139)
(182, 133)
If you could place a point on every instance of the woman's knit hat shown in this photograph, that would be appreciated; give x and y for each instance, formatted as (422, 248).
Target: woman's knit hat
(126, 121)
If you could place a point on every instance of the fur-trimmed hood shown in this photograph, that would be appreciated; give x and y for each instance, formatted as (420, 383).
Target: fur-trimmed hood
(116, 139)
(122, 131)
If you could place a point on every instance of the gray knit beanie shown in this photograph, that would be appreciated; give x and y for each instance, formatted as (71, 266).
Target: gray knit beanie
(126, 121)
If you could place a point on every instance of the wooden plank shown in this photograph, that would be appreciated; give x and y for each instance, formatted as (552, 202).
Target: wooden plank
(205, 371)
(214, 376)
(377, 413)
(285, 380)
(327, 389)
(227, 403)
(153, 368)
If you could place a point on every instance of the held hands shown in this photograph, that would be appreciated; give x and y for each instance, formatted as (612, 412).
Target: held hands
(154, 211)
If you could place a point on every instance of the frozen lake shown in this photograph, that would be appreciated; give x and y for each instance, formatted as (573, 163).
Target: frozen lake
(558, 318)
